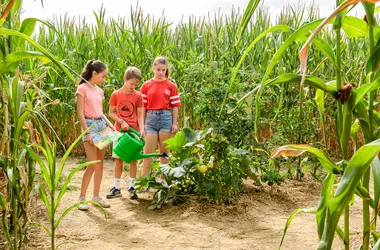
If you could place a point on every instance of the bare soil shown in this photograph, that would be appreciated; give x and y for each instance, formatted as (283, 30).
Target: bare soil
(255, 220)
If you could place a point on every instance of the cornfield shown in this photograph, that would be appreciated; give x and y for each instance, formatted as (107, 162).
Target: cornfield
(302, 81)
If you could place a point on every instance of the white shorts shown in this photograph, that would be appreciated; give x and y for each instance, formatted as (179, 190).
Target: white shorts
(113, 146)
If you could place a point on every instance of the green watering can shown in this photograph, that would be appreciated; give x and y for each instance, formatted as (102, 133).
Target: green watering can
(129, 147)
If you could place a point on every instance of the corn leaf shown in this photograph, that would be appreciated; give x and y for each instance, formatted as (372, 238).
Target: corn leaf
(291, 217)
(9, 32)
(309, 80)
(355, 27)
(294, 150)
(327, 191)
(11, 61)
(352, 175)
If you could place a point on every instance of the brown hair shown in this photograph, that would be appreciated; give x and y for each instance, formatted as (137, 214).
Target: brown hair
(132, 73)
(90, 67)
(162, 60)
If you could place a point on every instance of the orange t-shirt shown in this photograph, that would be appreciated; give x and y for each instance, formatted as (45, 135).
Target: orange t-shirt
(160, 95)
(126, 107)
(93, 100)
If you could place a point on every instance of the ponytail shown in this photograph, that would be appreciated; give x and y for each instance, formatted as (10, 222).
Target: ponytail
(91, 66)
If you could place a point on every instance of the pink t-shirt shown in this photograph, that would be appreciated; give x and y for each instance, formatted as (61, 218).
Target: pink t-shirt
(126, 106)
(93, 100)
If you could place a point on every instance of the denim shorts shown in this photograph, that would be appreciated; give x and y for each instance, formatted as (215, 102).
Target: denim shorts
(99, 125)
(158, 121)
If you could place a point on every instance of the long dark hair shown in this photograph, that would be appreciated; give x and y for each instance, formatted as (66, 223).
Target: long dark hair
(90, 67)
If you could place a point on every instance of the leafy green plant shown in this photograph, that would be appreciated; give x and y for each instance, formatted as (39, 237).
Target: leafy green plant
(198, 166)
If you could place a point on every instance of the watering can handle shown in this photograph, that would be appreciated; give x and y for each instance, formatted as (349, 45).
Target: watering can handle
(133, 133)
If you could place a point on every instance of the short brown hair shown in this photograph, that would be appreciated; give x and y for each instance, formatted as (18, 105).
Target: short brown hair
(132, 73)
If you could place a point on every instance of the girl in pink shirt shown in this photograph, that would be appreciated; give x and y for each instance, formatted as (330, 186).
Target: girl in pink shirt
(90, 111)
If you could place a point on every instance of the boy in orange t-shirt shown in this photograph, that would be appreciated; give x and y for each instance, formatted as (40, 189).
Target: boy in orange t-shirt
(126, 107)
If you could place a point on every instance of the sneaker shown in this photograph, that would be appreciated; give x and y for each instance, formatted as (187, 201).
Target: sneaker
(101, 201)
(82, 207)
(113, 193)
(132, 193)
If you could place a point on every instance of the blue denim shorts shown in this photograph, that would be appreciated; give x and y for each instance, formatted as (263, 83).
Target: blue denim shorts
(99, 125)
(158, 121)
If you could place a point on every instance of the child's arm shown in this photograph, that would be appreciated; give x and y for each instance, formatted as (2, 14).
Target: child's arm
(109, 124)
(140, 119)
(175, 120)
(112, 113)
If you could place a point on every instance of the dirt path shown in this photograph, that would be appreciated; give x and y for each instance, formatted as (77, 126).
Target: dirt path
(255, 220)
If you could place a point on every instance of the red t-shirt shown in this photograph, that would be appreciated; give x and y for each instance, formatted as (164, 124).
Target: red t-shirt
(160, 95)
(126, 107)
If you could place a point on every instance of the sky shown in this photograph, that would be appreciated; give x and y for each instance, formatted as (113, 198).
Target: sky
(174, 10)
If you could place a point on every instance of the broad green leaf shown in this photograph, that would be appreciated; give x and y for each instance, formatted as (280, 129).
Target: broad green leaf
(355, 27)
(373, 62)
(190, 134)
(352, 175)
(9, 32)
(44, 198)
(375, 166)
(176, 172)
(294, 150)
(27, 27)
(327, 190)
(176, 143)
(248, 13)
(354, 134)
(358, 94)
(12, 60)
(310, 80)
(320, 101)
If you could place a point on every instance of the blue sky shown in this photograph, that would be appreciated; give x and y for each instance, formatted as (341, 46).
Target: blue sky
(174, 10)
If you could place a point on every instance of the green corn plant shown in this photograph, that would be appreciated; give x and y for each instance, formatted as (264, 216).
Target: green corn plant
(351, 103)
(51, 176)
(18, 165)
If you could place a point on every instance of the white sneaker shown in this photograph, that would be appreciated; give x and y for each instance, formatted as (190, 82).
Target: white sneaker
(101, 202)
(83, 207)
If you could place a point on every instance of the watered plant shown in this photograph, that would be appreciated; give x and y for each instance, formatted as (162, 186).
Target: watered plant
(201, 164)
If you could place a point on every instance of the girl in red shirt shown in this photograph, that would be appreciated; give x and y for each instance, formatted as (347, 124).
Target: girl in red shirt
(161, 101)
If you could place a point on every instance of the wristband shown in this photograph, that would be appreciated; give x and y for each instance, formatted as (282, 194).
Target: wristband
(121, 122)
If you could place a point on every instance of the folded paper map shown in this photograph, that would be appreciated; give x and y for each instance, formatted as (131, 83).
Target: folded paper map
(108, 136)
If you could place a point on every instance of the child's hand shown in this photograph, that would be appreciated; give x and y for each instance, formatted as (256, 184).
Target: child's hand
(125, 126)
(142, 132)
(174, 128)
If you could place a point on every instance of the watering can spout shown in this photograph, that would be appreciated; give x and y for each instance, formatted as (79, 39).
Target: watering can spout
(142, 156)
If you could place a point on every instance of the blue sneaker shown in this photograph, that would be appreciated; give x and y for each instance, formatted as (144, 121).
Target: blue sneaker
(113, 193)
(132, 193)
